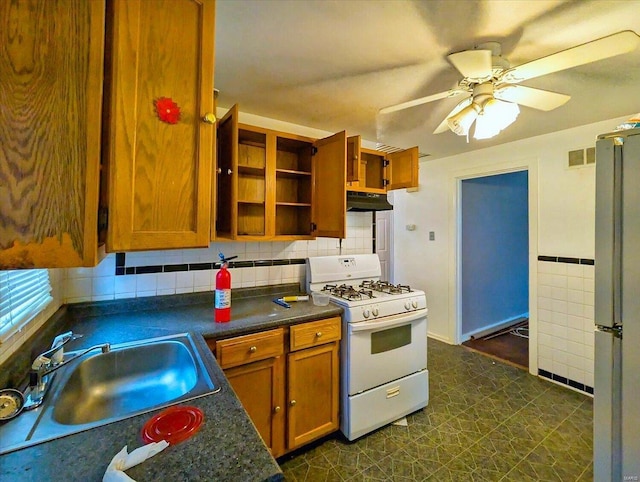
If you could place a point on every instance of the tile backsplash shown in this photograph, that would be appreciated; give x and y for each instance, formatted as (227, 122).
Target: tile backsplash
(152, 273)
(566, 321)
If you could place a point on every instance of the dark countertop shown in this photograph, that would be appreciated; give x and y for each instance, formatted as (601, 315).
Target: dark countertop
(227, 446)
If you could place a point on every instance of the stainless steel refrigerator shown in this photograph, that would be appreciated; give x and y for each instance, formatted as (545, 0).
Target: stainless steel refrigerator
(616, 447)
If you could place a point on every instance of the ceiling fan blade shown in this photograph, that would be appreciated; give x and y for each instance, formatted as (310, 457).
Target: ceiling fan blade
(444, 127)
(602, 48)
(474, 64)
(421, 100)
(535, 98)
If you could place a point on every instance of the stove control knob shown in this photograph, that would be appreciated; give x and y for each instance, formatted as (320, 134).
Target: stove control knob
(414, 303)
(374, 311)
(407, 305)
(365, 313)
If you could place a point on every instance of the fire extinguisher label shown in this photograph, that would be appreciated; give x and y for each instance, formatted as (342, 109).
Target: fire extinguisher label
(223, 299)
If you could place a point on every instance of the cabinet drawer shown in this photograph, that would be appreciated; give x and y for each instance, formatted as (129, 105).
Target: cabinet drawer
(249, 348)
(315, 333)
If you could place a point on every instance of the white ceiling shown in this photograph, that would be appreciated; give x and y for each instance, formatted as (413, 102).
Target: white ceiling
(332, 64)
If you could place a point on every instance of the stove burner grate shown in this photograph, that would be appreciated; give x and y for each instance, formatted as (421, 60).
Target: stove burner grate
(349, 293)
(386, 287)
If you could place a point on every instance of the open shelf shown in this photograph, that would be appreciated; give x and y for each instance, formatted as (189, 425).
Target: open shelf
(292, 174)
(293, 220)
(251, 219)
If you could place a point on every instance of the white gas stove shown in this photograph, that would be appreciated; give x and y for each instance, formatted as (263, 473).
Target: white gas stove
(353, 282)
(384, 372)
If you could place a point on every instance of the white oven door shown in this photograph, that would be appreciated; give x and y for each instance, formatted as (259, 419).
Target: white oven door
(387, 349)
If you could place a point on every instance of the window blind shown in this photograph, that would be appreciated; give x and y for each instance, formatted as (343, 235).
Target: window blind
(23, 294)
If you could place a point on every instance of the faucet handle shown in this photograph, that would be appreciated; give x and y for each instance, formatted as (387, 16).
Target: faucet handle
(58, 342)
(63, 338)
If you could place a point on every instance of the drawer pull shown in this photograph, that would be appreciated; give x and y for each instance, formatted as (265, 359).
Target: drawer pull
(393, 392)
(253, 349)
(319, 334)
(277, 409)
(293, 403)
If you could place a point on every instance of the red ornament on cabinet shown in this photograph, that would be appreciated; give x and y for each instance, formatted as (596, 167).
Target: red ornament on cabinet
(167, 110)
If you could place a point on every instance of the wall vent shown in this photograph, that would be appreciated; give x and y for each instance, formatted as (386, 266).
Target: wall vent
(581, 157)
(390, 149)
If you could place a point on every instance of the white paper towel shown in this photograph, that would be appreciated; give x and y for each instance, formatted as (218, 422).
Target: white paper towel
(124, 460)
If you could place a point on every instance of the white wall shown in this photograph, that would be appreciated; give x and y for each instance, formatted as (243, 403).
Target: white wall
(564, 213)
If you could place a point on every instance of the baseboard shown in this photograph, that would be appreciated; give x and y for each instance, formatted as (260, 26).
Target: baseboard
(487, 330)
(440, 338)
(566, 382)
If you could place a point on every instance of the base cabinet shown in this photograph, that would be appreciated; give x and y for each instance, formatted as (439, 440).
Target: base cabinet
(260, 386)
(288, 381)
(313, 382)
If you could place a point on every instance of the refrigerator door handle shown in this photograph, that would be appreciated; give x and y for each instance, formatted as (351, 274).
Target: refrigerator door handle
(607, 250)
(607, 433)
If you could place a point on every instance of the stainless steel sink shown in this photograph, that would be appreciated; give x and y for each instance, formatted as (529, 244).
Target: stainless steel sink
(101, 388)
(124, 381)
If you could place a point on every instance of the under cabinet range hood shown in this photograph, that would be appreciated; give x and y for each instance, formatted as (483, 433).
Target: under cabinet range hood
(365, 201)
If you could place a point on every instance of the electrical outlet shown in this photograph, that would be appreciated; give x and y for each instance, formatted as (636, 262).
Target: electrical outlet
(432, 235)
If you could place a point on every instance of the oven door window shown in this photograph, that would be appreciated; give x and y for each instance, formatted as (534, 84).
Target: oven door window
(390, 339)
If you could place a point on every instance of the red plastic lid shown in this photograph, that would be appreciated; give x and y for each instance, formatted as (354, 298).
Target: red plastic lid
(175, 424)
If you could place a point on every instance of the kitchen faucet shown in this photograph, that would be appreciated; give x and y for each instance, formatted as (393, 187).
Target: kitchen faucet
(46, 363)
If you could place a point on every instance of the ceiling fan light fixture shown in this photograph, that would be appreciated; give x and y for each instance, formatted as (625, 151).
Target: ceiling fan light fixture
(461, 122)
(496, 116)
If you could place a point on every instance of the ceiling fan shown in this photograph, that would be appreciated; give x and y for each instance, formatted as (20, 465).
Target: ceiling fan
(491, 84)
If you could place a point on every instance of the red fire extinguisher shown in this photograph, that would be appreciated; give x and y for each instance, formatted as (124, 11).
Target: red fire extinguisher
(222, 305)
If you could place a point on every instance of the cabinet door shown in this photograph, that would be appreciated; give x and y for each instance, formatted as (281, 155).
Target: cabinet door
(260, 388)
(227, 162)
(50, 126)
(160, 154)
(313, 393)
(353, 158)
(329, 194)
(403, 169)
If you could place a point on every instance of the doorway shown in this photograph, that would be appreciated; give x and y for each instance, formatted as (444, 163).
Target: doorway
(494, 265)
(383, 243)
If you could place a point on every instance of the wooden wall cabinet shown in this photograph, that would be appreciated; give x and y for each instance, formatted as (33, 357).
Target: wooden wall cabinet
(291, 403)
(373, 171)
(274, 185)
(50, 126)
(160, 171)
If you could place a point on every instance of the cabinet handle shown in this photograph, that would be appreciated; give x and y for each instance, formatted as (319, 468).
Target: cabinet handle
(319, 334)
(277, 409)
(229, 171)
(219, 170)
(253, 349)
(209, 118)
(293, 403)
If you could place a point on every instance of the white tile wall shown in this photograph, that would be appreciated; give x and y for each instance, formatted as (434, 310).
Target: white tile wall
(100, 283)
(565, 320)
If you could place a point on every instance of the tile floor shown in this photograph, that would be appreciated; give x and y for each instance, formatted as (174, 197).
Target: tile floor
(486, 421)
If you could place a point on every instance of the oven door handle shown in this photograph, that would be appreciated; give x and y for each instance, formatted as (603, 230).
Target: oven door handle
(389, 321)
